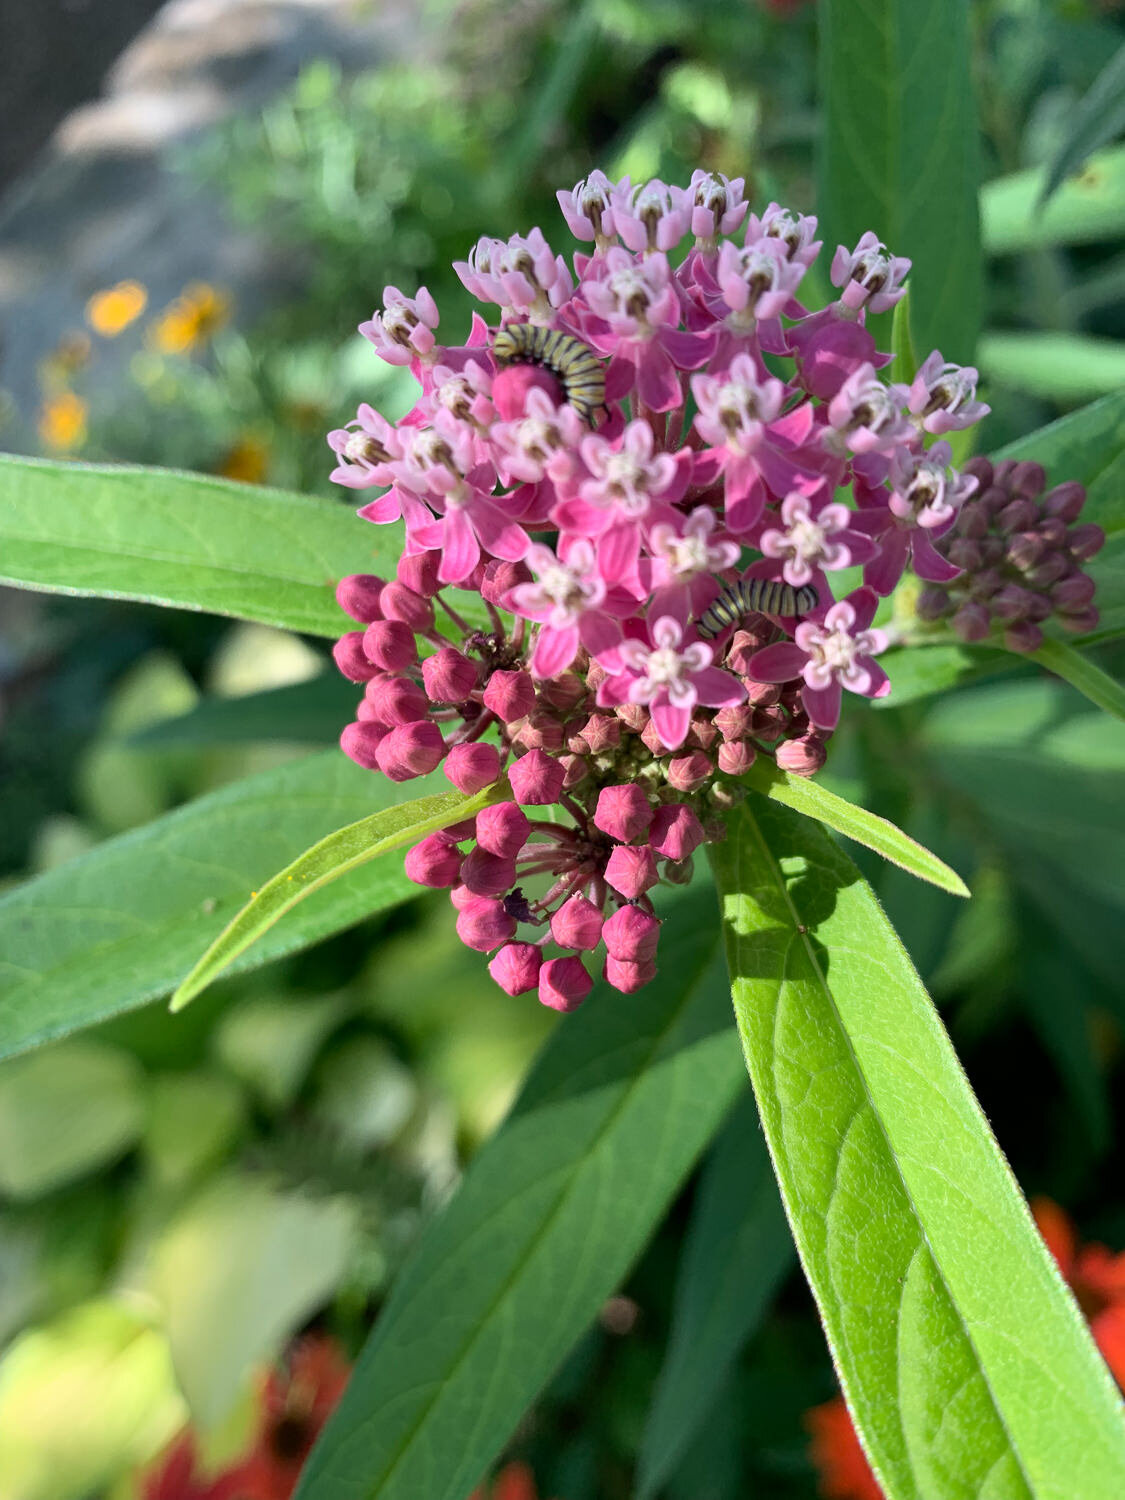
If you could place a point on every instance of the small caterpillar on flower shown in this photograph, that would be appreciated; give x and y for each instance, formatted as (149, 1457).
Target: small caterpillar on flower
(764, 596)
(577, 367)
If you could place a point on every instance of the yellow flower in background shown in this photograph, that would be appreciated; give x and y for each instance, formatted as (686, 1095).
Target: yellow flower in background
(191, 320)
(110, 312)
(62, 422)
(247, 460)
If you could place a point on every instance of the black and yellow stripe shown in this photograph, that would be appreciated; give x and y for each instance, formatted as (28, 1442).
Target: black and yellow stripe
(755, 596)
(578, 369)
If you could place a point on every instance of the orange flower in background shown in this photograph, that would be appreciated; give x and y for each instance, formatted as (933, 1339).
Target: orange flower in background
(62, 422)
(191, 320)
(176, 1477)
(295, 1404)
(837, 1456)
(248, 460)
(515, 1481)
(110, 312)
(1095, 1275)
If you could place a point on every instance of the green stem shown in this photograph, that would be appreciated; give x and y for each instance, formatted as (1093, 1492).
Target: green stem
(1082, 674)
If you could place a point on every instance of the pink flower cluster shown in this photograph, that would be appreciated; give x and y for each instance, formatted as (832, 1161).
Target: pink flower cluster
(573, 503)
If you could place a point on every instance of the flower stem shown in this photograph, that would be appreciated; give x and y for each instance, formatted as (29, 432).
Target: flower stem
(1065, 662)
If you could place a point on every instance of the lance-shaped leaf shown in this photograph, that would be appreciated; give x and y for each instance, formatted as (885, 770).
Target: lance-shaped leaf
(1098, 119)
(967, 1365)
(737, 1251)
(301, 713)
(338, 854)
(1082, 674)
(1085, 209)
(816, 801)
(121, 924)
(188, 540)
(550, 1216)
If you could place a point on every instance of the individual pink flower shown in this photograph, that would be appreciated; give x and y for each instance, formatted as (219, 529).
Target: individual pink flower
(522, 274)
(754, 282)
(403, 332)
(717, 205)
(589, 208)
(925, 495)
(942, 395)
(830, 655)
(795, 232)
(626, 481)
(568, 600)
(367, 448)
(867, 416)
(870, 276)
(686, 554)
(669, 678)
(652, 217)
(815, 535)
(540, 444)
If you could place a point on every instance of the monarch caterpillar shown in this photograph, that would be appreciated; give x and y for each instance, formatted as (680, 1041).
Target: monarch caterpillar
(764, 596)
(578, 368)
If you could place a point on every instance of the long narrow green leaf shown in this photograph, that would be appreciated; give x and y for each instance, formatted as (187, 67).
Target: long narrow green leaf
(121, 924)
(1061, 367)
(816, 801)
(899, 152)
(301, 713)
(1087, 445)
(342, 851)
(737, 1251)
(1098, 119)
(1082, 674)
(187, 540)
(967, 1365)
(1086, 209)
(545, 1225)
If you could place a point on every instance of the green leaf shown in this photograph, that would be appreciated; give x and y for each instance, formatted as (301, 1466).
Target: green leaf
(545, 1225)
(816, 801)
(967, 1365)
(737, 1251)
(120, 925)
(1098, 119)
(1086, 209)
(899, 152)
(1063, 367)
(187, 540)
(1082, 674)
(921, 671)
(904, 365)
(342, 851)
(302, 713)
(1087, 445)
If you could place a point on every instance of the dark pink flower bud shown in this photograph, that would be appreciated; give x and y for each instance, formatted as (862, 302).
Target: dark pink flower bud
(390, 645)
(537, 779)
(1027, 479)
(974, 521)
(601, 732)
(577, 924)
(576, 769)
(1023, 637)
(735, 723)
(631, 870)
(1039, 608)
(352, 659)
(500, 578)
(483, 924)
(1065, 501)
(360, 742)
(1018, 515)
(687, 773)
(981, 470)
(633, 715)
(400, 603)
(516, 967)
(512, 386)
(985, 582)
(650, 738)
(510, 695)
(564, 983)
(358, 595)
(472, 767)
(488, 874)
(829, 352)
(993, 499)
(678, 871)
(628, 977)
(541, 730)
(1085, 541)
(736, 757)
(1080, 622)
(435, 861)
(1049, 569)
(744, 644)
(624, 812)
(564, 692)
(964, 553)
(702, 734)
(631, 935)
(449, 676)
(1011, 602)
(1024, 551)
(419, 572)
(933, 604)
(456, 833)
(972, 622)
(676, 831)
(365, 712)
(502, 829)
(1054, 531)
(475, 581)
(410, 750)
(804, 756)
(1073, 593)
(396, 700)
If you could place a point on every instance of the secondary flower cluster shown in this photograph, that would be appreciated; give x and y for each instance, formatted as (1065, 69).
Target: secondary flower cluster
(579, 482)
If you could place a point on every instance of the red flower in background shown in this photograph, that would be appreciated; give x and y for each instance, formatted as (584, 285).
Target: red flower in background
(176, 1477)
(837, 1456)
(514, 1482)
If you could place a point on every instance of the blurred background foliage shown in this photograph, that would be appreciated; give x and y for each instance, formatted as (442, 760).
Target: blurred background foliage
(178, 1199)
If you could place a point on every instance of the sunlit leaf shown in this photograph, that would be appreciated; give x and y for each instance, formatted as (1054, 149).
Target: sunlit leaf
(1098, 119)
(1086, 208)
(1062, 367)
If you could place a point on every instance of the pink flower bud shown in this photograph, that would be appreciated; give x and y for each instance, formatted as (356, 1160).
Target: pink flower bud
(516, 968)
(1027, 479)
(631, 935)
(541, 730)
(576, 769)
(650, 738)
(1023, 636)
(624, 812)
(510, 695)
(502, 829)
(390, 645)
(626, 976)
(564, 983)
(804, 756)
(736, 757)
(564, 692)
(449, 676)
(831, 351)
(500, 578)
(410, 750)
(435, 861)
(1080, 622)
(488, 874)
(419, 572)
(577, 924)
(601, 732)
(633, 715)
(365, 712)
(483, 924)
(352, 659)
(735, 723)
(972, 622)
(1065, 501)
(461, 896)
(537, 779)
(1011, 602)
(687, 773)
(631, 870)
(1085, 541)
(360, 742)
(358, 595)
(396, 700)
(676, 831)
(472, 767)
(1073, 593)
(512, 386)
(702, 734)
(400, 603)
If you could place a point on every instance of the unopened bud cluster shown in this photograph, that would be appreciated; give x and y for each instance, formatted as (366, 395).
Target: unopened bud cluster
(1020, 555)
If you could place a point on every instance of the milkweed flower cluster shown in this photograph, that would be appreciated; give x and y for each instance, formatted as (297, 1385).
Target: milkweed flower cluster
(631, 432)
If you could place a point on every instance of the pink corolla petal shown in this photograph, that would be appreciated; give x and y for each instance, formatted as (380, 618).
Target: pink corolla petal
(690, 351)
(460, 548)
(620, 377)
(879, 684)
(781, 662)
(502, 537)
(578, 515)
(715, 688)
(672, 723)
(554, 650)
(619, 547)
(864, 602)
(598, 634)
(823, 704)
(387, 508)
(658, 384)
(744, 509)
(929, 563)
(883, 572)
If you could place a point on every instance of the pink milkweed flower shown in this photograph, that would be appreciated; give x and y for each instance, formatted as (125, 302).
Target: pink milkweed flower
(403, 332)
(942, 396)
(753, 282)
(685, 556)
(589, 209)
(669, 678)
(926, 493)
(870, 276)
(626, 480)
(796, 233)
(569, 601)
(542, 444)
(814, 536)
(867, 416)
(717, 206)
(466, 394)
(830, 655)
(652, 218)
(367, 447)
(522, 274)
